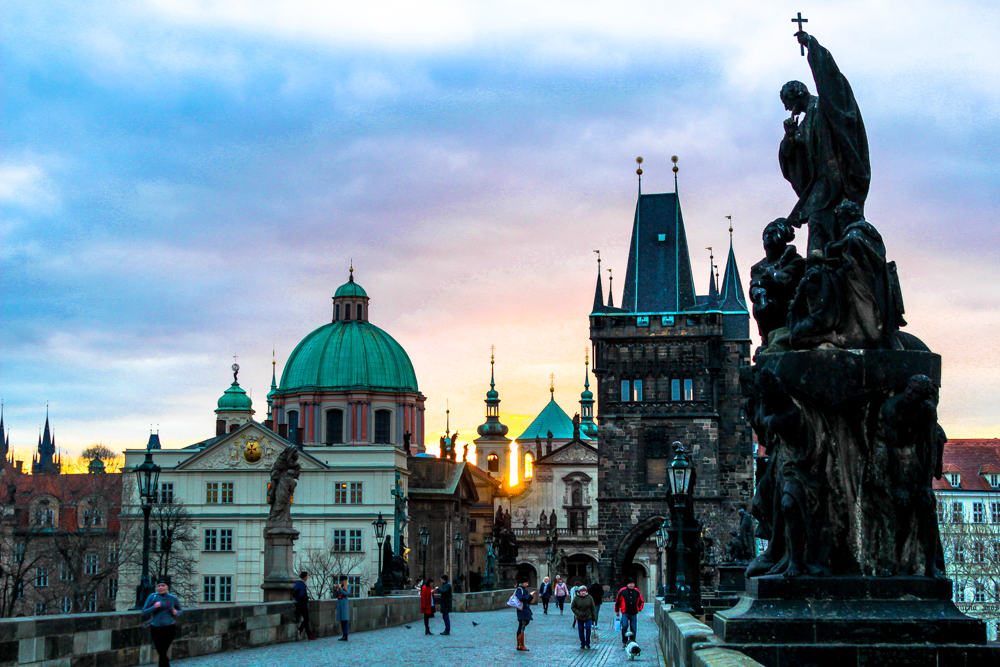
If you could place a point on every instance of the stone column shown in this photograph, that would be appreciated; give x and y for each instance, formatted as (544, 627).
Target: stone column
(279, 573)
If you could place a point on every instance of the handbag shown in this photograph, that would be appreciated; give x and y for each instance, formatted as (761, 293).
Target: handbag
(514, 602)
(595, 638)
(618, 623)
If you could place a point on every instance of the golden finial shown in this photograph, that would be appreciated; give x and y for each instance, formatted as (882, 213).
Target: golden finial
(552, 383)
(730, 219)
(673, 158)
(586, 356)
(492, 353)
(352, 265)
(638, 171)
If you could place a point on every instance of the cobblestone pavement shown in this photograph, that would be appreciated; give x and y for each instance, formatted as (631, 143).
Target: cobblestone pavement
(550, 638)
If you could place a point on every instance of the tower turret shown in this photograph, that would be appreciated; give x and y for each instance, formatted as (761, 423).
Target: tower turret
(587, 425)
(234, 407)
(493, 445)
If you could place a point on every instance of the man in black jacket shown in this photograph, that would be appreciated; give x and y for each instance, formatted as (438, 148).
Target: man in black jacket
(545, 592)
(444, 590)
(596, 591)
(300, 593)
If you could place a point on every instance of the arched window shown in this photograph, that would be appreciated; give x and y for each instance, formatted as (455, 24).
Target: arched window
(293, 425)
(577, 494)
(347, 311)
(334, 427)
(529, 466)
(336, 312)
(383, 420)
(359, 311)
(493, 463)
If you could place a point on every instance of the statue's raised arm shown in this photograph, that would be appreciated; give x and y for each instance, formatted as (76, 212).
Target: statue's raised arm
(824, 155)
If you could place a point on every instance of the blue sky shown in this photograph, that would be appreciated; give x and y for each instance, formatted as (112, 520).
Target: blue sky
(185, 181)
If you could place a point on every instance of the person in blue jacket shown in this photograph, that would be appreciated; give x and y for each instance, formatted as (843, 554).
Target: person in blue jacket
(163, 609)
(300, 593)
(524, 613)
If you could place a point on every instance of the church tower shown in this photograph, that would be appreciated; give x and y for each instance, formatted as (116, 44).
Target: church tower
(46, 462)
(493, 445)
(667, 367)
(234, 407)
(587, 425)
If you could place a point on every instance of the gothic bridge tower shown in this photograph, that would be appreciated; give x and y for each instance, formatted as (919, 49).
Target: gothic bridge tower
(667, 368)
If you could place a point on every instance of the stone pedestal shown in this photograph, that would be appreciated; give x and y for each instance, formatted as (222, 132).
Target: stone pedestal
(506, 575)
(781, 622)
(279, 574)
(732, 578)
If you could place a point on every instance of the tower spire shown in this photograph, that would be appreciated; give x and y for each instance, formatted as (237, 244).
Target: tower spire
(552, 385)
(611, 290)
(598, 291)
(673, 159)
(587, 425)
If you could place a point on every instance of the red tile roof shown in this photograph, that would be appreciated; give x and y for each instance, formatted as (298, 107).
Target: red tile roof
(972, 458)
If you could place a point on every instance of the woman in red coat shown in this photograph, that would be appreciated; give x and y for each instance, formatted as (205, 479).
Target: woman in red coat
(427, 605)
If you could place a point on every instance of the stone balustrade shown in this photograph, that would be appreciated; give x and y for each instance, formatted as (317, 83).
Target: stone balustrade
(687, 642)
(119, 639)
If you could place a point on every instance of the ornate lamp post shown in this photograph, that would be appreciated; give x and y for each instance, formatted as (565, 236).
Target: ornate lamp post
(424, 539)
(680, 477)
(379, 525)
(147, 476)
(491, 556)
(661, 544)
(459, 543)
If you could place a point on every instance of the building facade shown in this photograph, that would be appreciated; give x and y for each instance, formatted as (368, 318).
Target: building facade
(667, 366)
(968, 507)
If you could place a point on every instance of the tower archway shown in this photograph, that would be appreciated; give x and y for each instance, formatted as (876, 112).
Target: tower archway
(616, 566)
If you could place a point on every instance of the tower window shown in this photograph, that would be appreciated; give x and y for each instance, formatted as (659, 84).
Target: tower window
(383, 419)
(688, 389)
(626, 391)
(293, 425)
(336, 312)
(493, 463)
(347, 311)
(359, 311)
(675, 390)
(334, 427)
(638, 389)
(529, 466)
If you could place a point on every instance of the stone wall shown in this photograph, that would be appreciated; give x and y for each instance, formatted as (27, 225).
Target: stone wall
(118, 639)
(687, 642)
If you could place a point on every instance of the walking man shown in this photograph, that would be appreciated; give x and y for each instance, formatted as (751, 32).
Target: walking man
(300, 593)
(343, 592)
(163, 608)
(445, 591)
(584, 611)
(629, 603)
(596, 591)
(545, 592)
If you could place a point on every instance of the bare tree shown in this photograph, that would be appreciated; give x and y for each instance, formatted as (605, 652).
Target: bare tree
(972, 554)
(326, 565)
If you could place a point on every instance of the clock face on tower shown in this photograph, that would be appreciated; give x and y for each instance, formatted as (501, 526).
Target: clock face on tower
(251, 451)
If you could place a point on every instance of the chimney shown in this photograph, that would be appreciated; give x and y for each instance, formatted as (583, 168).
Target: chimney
(220, 427)
(283, 430)
(269, 424)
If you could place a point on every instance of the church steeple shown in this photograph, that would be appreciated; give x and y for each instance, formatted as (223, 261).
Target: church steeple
(599, 292)
(735, 314)
(587, 425)
(45, 461)
(492, 427)
(274, 387)
(493, 445)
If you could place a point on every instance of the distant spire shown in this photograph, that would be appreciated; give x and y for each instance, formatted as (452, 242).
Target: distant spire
(350, 278)
(447, 416)
(731, 291)
(713, 291)
(611, 295)
(586, 368)
(638, 172)
(674, 160)
(493, 349)
(552, 385)
(599, 291)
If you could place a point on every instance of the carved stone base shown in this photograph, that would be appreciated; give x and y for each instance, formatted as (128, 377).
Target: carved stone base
(731, 578)
(782, 622)
(279, 575)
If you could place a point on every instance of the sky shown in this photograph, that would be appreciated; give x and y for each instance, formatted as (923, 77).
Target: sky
(182, 182)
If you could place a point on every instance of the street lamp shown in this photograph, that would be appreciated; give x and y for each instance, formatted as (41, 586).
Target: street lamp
(680, 478)
(550, 555)
(490, 559)
(424, 539)
(459, 543)
(661, 543)
(147, 476)
(379, 525)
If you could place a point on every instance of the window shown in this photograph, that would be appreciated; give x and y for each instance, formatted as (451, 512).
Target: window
(955, 479)
(165, 492)
(41, 577)
(667, 321)
(113, 552)
(359, 311)
(626, 391)
(675, 390)
(90, 564)
(19, 552)
(340, 540)
(357, 493)
(91, 517)
(211, 539)
(65, 572)
(979, 592)
(154, 540)
(383, 420)
(208, 589)
(66, 606)
(90, 601)
(225, 539)
(472, 526)
(355, 540)
(293, 425)
(336, 312)
(211, 493)
(994, 480)
(959, 590)
(688, 389)
(112, 589)
(225, 589)
(340, 493)
(940, 512)
(529, 466)
(642, 321)
(995, 511)
(354, 583)
(493, 463)
(347, 311)
(334, 427)
(40, 609)
(978, 512)
(45, 517)
(958, 551)
(958, 512)
(977, 551)
(227, 492)
(638, 389)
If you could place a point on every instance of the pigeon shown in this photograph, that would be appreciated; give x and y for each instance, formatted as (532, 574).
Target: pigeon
(474, 623)
(408, 627)
(632, 649)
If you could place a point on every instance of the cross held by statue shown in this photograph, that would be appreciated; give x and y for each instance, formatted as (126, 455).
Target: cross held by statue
(798, 19)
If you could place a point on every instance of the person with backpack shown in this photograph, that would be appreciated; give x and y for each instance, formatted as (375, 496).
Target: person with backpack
(561, 593)
(162, 609)
(584, 611)
(523, 596)
(629, 603)
(300, 593)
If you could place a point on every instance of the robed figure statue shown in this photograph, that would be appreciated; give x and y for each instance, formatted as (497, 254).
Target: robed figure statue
(825, 154)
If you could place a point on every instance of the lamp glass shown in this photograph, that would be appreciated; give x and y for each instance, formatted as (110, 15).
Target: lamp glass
(424, 537)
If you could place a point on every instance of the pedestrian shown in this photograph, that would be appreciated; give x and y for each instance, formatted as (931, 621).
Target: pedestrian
(445, 591)
(427, 605)
(163, 608)
(343, 592)
(524, 613)
(629, 603)
(561, 593)
(596, 591)
(545, 592)
(300, 593)
(585, 612)
(572, 596)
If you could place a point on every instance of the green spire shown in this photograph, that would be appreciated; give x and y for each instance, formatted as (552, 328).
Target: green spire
(274, 385)
(492, 425)
(587, 425)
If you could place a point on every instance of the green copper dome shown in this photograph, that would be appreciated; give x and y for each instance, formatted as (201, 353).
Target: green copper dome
(346, 354)
(235, 399)
(350, 288)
